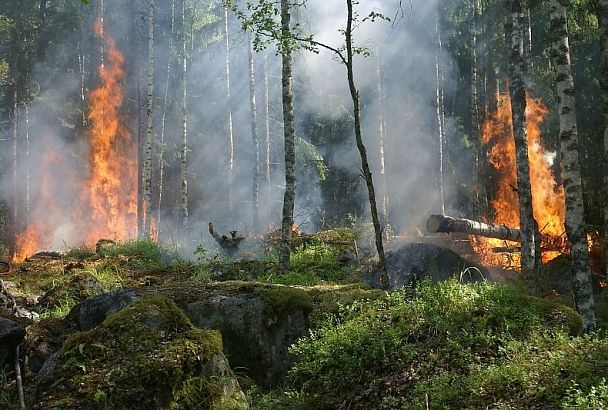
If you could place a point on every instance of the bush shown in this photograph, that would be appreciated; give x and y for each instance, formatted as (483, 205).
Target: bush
(457, 346)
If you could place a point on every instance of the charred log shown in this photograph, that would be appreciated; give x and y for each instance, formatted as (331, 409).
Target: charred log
(229, 243)
(448, 224)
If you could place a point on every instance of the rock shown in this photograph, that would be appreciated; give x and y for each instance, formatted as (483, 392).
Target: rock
(95, 310)
(148, 355)
(411, 262)
(11, 335)
(258, 322)
(557, 275)
(256, 334)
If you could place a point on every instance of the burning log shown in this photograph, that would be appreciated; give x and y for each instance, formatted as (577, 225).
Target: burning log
(447, 224)
(230, 244)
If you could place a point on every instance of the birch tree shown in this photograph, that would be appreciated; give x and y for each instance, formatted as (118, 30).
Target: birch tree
(161, 144)
(147, 203)
(255, 188)
(184, 123)
(569, 150)
(517, 89)
(439, 108)
(229, 126)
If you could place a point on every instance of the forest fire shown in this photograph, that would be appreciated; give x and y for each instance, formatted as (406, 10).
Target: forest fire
(108, 206)
(547, 196)
(112, 185)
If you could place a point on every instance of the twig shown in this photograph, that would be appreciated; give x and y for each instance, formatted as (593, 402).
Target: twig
(19, 380)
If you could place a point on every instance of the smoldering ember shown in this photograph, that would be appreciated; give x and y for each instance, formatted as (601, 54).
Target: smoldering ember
(339, 204)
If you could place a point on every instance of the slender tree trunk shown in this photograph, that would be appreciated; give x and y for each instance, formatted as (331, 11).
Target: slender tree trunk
(517, 90)
(439, 106)
(527, 33)
(569, 151)
(15, 182)
(229, 121)
(382, 137)
(255, 189)
(161, 145)
(147, 211)
(602, 16)
(267, 128)
(479, 172)
(27, 165)
(184, 115)
(367, 174)
(289, 136)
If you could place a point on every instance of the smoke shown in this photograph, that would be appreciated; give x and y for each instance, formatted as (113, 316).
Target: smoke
(402, 54)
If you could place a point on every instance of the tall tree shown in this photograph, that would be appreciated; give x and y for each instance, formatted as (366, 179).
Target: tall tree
(569, 150)
(367, 174)
(382, 140)
(255, 188)
(517, 89)
(147, 176)
(184, 123)
(439, 108)
(289, 198)
(161, 144)
(602, 14)
(229, 126)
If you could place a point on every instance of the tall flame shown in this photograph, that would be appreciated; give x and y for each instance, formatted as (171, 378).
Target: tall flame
(547, 195)
(111, 187)
(108, 206)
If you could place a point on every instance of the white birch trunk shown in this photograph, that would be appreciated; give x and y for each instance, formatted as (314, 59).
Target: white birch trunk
(569, 150)
(184, 115)
(147, 203)
(229, 121)
(255, 188)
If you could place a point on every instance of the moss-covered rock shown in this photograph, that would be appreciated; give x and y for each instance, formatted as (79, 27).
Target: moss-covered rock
(148, 355)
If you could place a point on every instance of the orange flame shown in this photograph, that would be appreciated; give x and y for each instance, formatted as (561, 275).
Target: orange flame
(111, 187)
(108, 208)
(547, 196)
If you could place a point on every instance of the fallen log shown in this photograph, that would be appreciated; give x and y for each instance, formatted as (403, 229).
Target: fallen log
(448, 224)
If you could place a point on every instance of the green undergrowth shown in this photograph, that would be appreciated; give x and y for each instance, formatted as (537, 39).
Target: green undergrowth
(146, 355)
(453, 345)
(311, 263)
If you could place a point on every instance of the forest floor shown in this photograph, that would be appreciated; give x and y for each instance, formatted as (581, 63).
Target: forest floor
(438, 344)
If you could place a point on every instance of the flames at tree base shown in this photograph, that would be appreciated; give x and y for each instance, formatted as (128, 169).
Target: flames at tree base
(106, 200)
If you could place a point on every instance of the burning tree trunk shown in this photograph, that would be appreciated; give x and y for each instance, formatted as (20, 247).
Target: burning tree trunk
(289, 135)
(147, 202)
(602, 14)
(255, 189)
(529, 258)
(184, 114)
(575, 228)
(448, 224)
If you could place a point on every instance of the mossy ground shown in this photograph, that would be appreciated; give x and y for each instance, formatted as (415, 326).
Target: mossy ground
(462, 346)
(141, 357)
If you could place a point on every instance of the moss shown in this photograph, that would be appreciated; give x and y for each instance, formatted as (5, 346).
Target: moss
(279, 300)
(138, 357)
(558, 314)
